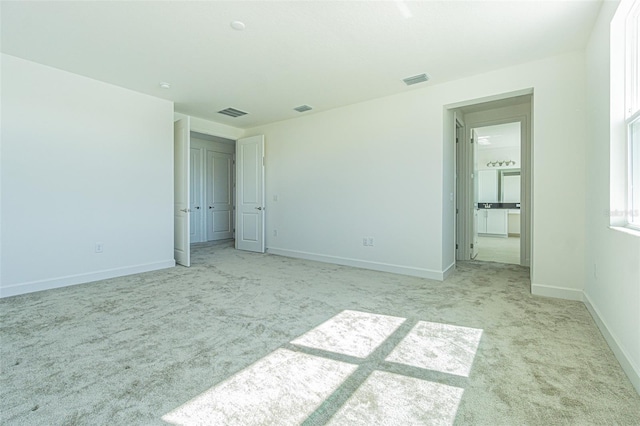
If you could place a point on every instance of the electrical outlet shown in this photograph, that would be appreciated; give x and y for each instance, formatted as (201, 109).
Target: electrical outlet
(99, 247)
(370, 241)
(364, 241)
(275, 232)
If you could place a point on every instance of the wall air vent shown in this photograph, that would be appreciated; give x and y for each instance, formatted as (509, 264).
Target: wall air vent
(303, 108)
(232, 112)
(416, 79)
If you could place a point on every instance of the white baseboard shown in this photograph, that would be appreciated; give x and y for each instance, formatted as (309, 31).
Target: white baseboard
(448, 271)
(630, 368)
(556, 292)
(364, 264)
(48, 284)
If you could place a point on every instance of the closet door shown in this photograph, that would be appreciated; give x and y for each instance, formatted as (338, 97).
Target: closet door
(219, 196)
(181, 192)
(195, 207)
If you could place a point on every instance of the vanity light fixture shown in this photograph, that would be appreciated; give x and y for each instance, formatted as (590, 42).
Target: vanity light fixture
(165, 85)
(501, 163)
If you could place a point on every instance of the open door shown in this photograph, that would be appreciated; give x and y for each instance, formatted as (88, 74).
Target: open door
(474, 205)
(250, 194)
(181, 175)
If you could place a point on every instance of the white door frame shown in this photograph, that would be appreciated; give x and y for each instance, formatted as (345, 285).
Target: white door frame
(205, 148)
(464, 169)
(460, 228)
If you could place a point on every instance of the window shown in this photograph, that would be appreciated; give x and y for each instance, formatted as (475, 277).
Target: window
(632, 112)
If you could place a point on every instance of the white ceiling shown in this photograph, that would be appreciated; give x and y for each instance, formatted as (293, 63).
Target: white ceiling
(322, 53)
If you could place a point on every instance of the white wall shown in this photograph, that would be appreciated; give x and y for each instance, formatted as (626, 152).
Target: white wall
(82, 162)
(384, 168)
(612, 290)
(356, 172)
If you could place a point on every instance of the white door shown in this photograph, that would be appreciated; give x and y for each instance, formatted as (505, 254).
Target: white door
(474, 206)
(481, 220)
(195, 196)
(219, 195)
(250, 194)
(181, 231)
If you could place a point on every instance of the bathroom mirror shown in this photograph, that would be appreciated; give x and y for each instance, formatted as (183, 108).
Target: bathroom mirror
(509, 185)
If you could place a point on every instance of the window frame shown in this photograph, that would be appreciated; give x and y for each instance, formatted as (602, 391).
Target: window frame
(633, 191)
(632, 112)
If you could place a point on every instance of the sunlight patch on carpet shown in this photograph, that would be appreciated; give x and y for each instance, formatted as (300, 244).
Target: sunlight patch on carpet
(284, 387)
(441, 347)
(351, 333)
(393, 399)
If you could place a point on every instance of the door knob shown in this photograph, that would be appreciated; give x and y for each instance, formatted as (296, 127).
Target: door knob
(198, 207)
(185, 210)
(210, 207)
(258, 208)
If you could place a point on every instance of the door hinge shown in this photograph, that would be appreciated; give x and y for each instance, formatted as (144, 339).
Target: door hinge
(457, 139)
(471, 139)
(456, 211)
(471, 245)
(456, 246)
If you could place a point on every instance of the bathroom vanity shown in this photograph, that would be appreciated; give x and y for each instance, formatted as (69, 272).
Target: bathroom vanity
(498, 205)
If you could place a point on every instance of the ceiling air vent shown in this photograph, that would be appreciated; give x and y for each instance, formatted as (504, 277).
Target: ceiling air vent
(303, 108)
(415, 79)
(232, 112)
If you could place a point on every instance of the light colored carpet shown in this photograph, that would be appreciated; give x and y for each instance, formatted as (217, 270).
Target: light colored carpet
(496, 249)
(244, 338)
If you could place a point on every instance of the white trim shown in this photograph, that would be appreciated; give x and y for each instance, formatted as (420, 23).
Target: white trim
(498, 97)
(69, 280)
(626, 230)
(212, 128)
(556, 292)
(449, 270)
(364, 264)
(632, 370)
(631, 218)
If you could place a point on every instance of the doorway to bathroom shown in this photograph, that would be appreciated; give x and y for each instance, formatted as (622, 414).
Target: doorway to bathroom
(493, 180)
(497, 192)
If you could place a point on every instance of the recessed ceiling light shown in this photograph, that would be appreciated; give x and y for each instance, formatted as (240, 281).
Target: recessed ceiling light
(164, 85)
(238, 25)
